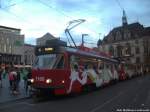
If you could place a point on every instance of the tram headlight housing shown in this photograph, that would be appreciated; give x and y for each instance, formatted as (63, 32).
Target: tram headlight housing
(62, 81)
(48, 81)
(32, 80)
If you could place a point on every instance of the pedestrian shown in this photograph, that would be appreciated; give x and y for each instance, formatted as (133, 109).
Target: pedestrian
(0, 78)
(28, 84)
(11, 79)
(18, 79)
(4, 73)
(24, 73)
(14, 73)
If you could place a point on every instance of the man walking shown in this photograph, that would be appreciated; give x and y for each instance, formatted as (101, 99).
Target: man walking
(0, 78)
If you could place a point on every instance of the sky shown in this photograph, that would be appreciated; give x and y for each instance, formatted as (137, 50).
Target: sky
(37, 17)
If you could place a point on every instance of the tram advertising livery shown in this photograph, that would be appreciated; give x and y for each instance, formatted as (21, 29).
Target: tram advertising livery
(62, 70)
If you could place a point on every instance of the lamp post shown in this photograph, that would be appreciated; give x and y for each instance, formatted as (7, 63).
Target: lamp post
(83, 35)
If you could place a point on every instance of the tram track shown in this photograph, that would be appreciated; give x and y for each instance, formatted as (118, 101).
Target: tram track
(129, 94)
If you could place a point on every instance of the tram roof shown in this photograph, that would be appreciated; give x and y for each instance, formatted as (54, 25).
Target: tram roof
(90, 54)
(76, 51)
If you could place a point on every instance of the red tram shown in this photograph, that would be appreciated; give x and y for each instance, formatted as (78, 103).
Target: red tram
(63, 70)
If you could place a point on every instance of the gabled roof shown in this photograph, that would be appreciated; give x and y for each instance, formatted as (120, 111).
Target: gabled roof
(48, 35)
(134, 28)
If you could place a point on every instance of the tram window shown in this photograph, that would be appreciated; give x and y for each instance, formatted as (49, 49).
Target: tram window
(50, 61)
(36, 61)
(74, 60)
(60, 64)
(76, 67)
(85, 66)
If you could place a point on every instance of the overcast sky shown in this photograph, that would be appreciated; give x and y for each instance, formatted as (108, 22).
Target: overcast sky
(37, 17)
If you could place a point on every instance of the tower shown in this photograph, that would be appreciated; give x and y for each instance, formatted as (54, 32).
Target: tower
(124, 19)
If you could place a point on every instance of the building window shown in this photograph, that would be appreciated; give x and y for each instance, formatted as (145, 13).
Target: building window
(2, 40)
(26, 58)
(118, 35)
(146, 47)
(5, 48)
(129, 35)
(7, 41)
(128, 49)
(137, 60)
(136, 41)
(0, 47)
(137, 50)
(145, 50)
(111, 50)
(10, 49)
(119, 51)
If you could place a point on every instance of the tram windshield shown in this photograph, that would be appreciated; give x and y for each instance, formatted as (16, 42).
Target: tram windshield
(49, 61)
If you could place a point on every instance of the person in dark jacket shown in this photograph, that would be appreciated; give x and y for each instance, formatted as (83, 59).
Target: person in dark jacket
(18, 79)
(28, 80)
(1, 78)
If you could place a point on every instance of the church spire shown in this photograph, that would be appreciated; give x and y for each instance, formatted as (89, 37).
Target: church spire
(124, 19)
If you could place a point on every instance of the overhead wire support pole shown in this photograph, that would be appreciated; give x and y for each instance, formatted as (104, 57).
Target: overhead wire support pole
(83, 35)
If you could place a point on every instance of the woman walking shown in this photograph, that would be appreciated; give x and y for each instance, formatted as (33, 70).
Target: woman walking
(1, 78)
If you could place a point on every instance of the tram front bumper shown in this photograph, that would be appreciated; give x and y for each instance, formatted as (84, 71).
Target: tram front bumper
(38, 90)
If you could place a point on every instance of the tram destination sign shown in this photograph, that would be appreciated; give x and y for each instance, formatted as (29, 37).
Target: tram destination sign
(45, 50)
(41, 50)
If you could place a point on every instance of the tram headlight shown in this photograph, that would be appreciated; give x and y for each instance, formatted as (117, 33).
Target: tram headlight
(63, 81)
(32, 80)
(48, 81)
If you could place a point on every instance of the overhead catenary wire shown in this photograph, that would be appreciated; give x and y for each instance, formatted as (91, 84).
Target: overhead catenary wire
(11, 5)
(27, 21)
(45, 4)
(60, 12)
(4, 9)
(121, 7)
(18, 17)
(0, 3)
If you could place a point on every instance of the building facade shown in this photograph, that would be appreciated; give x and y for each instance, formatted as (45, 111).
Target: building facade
(29, 54)
(11, 45)
(129, 43)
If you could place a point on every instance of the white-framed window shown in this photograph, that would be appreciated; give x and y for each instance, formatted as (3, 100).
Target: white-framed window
(5, 48)
(7, 41)
(10, 49)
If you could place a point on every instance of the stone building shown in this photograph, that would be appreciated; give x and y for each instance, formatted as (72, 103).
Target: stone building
(129, 43)
(42, 40)
(29, 54)
(11, 45)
